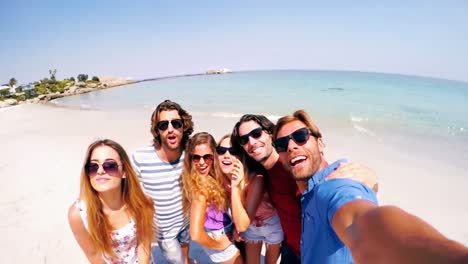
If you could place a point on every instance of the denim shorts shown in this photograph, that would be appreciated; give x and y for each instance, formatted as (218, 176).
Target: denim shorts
(220, 255)
(269, 233)
(171, 248)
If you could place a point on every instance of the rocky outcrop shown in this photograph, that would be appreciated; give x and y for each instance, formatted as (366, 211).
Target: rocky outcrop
(11, 101)
(110, 81)
(84, 90)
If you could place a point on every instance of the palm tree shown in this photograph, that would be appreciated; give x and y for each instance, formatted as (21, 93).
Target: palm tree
(13, 82)
(52, 74)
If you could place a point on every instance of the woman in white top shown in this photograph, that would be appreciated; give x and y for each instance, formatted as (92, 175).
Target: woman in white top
(113, 219)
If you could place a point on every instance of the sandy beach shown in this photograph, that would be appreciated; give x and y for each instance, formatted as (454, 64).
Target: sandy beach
(43, 147)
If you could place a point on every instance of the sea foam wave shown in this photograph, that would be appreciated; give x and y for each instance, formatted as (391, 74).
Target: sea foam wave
(225, 114)
(86, 106)
(57, 103)
(273, 118)
(217, 114)
(364, 130)
(357, 119)
(457, 130)
(358, 124)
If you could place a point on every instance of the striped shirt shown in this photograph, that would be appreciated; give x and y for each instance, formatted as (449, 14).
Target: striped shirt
(160, 181)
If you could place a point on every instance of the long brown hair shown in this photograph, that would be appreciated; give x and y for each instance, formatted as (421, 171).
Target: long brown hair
(169, 105)
(252, 168)
(138, 205)
(209, 186)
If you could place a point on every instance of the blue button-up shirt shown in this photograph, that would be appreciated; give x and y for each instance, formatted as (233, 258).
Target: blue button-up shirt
(319, 242)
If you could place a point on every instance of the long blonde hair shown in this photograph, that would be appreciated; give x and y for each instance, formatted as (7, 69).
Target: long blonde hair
(138, 205)
(193, 183)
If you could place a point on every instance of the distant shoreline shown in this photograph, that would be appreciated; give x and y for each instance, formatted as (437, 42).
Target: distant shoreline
(170, 77)
(106, 82)
(53, 104)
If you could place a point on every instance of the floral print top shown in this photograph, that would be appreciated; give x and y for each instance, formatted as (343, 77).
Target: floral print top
(124, 240)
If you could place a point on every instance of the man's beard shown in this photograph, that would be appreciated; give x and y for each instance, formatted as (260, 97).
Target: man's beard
(304, 174)
(169, 146)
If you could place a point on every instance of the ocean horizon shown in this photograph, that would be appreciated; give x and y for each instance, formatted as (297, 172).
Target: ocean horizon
(393, 108)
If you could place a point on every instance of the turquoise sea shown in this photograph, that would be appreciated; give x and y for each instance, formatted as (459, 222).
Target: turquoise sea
(384, 106)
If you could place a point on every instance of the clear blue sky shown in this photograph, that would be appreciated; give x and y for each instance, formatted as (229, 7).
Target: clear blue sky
(151, 38)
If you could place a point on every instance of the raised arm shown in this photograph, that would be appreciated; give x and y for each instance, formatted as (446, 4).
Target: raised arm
(388, 234)
(197, 230)
(82, 236)
(244, 213)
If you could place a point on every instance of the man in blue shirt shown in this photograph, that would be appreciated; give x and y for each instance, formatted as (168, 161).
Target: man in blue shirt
(319, 203)
(342, 221)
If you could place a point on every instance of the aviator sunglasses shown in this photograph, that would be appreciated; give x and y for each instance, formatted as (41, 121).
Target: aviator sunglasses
(208, 158)
(110, 167)
(256, 133)
(164, 124)
(222, 150)
(299, 136)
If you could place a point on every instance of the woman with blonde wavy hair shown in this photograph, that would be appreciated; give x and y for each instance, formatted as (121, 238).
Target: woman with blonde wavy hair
(204, 199)
(112, 221)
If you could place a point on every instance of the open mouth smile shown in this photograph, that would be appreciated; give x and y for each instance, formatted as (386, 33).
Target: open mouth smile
(297, 161)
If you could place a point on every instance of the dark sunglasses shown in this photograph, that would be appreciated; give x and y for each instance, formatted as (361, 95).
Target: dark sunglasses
(299, 136)
(256, 133)
(110, 167)
(164, 124)
(208, 158)
(222, 150)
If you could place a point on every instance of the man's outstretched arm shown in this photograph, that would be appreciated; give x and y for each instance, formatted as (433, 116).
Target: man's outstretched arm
(388, 234)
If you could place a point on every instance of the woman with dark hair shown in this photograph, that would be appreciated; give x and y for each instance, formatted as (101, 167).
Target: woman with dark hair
(204, 199)
(112, 221)
(252, 211)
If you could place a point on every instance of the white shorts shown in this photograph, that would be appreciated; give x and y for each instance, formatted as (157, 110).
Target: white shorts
(270, 232)
(220, 255)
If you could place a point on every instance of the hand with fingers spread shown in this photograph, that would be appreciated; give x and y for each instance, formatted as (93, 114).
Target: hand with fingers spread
(357, 172)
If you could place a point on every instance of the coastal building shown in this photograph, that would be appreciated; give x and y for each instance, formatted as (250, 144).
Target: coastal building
(5, 90)
(28, 89)
(218, 71)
